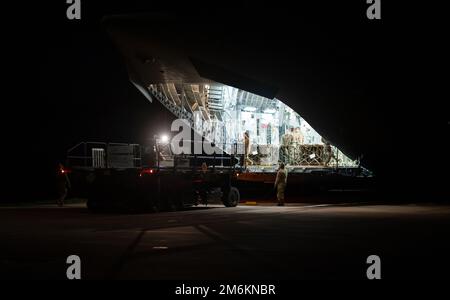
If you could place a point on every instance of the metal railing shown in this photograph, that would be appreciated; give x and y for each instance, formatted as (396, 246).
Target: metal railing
(98, 155)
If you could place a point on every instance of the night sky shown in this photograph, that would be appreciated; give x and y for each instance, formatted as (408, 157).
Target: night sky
(69, 83)
(71, 86)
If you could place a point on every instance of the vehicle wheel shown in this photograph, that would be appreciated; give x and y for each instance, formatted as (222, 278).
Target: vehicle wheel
(232, 198)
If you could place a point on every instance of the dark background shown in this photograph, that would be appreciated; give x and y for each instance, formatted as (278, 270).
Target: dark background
(65, 82)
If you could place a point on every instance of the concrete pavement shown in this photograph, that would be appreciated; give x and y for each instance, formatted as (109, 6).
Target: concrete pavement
(246, 242)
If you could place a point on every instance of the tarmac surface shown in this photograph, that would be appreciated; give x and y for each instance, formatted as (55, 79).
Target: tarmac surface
(298, 241)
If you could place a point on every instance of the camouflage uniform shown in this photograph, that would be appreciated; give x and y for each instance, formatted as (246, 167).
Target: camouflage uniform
(285, 150)
(280, 184)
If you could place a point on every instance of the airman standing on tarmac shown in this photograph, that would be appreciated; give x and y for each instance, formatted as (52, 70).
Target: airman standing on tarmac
(63, 184)
(280, 184)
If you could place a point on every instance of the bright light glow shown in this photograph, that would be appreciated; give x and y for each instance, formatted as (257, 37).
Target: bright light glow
(164, 138)
(146, 172)
(270, 111)
(250, 108)
(64, 171)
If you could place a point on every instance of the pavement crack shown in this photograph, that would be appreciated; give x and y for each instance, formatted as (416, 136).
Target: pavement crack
(118, 266)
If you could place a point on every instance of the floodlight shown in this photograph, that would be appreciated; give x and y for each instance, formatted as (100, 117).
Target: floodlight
(164, 138)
